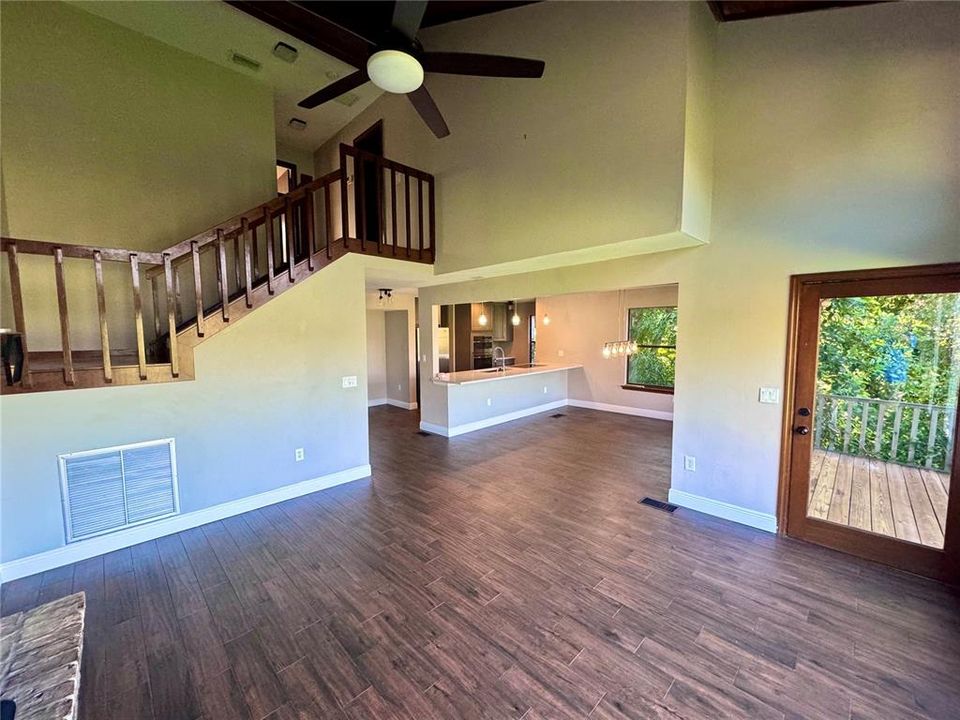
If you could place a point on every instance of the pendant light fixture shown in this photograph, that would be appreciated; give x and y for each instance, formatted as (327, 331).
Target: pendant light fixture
(546, 318)
(482, 319)
(619, 348)
(515, 319)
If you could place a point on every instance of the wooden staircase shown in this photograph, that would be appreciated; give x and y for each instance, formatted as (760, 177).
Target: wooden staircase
(247, 260)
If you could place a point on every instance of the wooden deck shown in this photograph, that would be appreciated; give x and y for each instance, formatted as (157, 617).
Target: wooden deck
(898, 501)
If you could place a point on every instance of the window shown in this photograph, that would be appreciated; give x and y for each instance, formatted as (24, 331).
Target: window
(652, 366)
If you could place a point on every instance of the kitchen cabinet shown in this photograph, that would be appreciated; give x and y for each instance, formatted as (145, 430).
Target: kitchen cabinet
(502, 327)
(475, 310)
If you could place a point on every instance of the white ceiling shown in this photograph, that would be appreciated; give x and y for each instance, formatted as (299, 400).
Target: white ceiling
(215, 31)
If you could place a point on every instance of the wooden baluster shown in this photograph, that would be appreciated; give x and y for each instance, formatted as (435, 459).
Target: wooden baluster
(256, 251)
(68, 376)
(197, 285)
(156, 307)
(406, 202)
(177, 305)
(291, 248)
(420, 213)
(393, 208)
(897, 421)
(138, 315)
(360, 200)
(914, 427)
(102, 312)
(381, 206)
(247, 262)
(932, 435)
(328, 218)
(818, 406)
(222, 276)
(26, 380)
(881, 418)
(344, 197)
(864, 419)
(308, 209)
(236, 258)
(433, 222)
(171, 317)
(268, 222)
(847, 426)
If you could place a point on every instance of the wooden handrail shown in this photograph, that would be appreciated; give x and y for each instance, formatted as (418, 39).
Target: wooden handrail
(303, 247)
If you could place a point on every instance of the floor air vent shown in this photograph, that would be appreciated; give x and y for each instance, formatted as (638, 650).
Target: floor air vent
(658, 504)
(113, 488)
(424, 433)
(556, 415)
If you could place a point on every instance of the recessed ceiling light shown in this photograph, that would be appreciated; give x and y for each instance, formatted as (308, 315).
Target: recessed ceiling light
(297, 124)
(285, 52)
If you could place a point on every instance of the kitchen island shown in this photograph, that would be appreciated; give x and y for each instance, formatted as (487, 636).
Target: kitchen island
(470, 400)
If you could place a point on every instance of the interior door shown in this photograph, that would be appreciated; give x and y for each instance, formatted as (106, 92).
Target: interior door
(369, 183)
(870, 441)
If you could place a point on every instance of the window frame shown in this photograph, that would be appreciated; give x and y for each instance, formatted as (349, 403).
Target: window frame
(642, 387)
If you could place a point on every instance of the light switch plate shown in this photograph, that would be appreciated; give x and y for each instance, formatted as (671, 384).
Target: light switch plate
(349, 381)
(689, 463)
(770, 395)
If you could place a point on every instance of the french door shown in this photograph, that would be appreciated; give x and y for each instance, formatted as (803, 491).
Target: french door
(871, 463)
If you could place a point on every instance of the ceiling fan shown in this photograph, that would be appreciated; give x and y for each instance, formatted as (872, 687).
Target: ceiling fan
(384, 49)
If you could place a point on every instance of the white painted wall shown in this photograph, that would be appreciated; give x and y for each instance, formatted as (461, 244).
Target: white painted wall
(399, 352)
(837, 147)
(265, 386)
(580, 324)
(593, 154)
(112, 139)
(376, 358)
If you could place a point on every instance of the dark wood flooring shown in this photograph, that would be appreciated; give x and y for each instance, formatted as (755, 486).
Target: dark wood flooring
(508, 573)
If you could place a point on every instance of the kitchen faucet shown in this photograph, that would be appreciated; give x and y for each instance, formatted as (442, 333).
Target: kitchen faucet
(503, 359)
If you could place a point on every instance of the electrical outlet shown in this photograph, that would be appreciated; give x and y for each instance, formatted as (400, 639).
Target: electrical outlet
(349, 381)
(489, 402)
(560, 353)
(544, 389)
(689, 463)
(298, 454)
(399, 387)
(770, 395)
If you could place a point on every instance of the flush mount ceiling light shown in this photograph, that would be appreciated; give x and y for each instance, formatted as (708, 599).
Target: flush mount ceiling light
(395, 71)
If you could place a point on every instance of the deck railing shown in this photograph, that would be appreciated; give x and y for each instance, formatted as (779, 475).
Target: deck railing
(186, 286)
(888, 430)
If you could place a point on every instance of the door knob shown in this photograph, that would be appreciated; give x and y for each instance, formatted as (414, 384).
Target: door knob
(801, 430)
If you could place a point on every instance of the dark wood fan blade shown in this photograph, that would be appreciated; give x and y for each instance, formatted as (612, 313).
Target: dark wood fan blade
(407, 16)
(335, 89)
(423, 102)
(453, 63)
(311, 28)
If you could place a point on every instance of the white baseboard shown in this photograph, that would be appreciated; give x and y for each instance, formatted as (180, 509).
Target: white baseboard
(491, 421)
(717, 508)
(622, 409)
(142, 533)
(401, 404)
(377, 401)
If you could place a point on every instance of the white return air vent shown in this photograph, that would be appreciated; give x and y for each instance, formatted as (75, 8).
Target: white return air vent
(112, 488)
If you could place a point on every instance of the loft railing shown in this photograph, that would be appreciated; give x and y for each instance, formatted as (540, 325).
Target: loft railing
(189, 287)
(888, 430)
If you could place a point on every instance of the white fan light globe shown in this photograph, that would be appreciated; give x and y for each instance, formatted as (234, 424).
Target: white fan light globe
(395, 71)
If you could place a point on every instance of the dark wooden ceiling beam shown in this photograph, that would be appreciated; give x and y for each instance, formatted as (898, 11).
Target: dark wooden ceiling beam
(730, 10)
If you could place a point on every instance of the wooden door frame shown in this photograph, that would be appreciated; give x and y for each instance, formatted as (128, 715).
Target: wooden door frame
(949, 566)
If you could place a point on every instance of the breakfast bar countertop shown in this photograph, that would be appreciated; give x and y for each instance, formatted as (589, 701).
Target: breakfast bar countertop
(465, 377)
